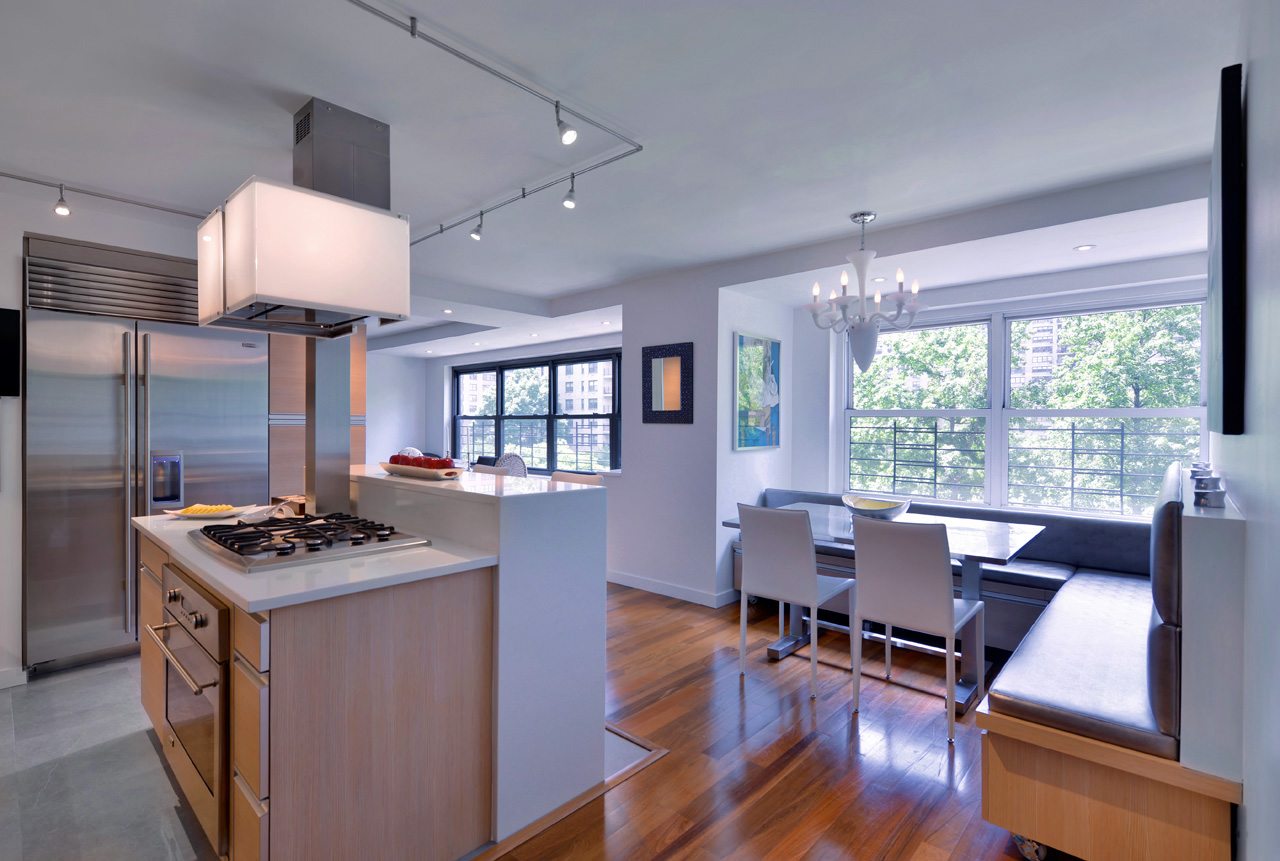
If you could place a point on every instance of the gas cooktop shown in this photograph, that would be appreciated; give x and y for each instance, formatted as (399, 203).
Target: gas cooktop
(282, 541)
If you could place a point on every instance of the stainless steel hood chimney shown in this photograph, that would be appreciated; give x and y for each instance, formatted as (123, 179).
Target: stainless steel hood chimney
(316, 257)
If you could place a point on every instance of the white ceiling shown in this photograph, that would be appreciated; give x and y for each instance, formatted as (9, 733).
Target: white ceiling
(1163, 231)
(510, 330)
(764, 123)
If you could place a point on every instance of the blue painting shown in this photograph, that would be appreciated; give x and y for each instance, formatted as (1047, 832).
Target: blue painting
(757, 392)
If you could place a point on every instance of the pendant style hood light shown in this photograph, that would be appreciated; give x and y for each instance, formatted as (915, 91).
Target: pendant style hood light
(568, 134)
(288, 258)
(61, 207)
(570, 200)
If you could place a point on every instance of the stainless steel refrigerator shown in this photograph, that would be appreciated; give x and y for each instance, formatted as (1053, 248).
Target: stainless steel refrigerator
(124, 418)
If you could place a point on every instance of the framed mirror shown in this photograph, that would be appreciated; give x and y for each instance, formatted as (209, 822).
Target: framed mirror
(667, 384)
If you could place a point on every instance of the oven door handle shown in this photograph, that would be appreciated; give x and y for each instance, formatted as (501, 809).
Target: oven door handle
(196, 687)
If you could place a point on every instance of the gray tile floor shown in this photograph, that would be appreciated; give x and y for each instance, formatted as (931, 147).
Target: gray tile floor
(81, 777)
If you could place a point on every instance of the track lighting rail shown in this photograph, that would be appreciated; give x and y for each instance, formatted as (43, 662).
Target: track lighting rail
(410, 26)
(103, 195)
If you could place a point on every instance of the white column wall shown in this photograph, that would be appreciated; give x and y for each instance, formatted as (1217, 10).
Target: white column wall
(1251, 463)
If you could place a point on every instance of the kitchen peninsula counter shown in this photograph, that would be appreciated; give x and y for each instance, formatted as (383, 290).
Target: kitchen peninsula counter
(303, 582)
(418, 702)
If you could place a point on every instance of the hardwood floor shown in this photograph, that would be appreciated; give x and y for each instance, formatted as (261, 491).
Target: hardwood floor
(757, 770)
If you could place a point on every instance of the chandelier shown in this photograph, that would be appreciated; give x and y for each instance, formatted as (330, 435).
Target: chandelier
(843, 313)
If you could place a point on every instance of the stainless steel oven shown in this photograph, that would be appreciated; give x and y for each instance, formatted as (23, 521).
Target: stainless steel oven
(194, 641)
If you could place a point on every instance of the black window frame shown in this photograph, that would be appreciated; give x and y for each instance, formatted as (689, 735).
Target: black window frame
(552, 363)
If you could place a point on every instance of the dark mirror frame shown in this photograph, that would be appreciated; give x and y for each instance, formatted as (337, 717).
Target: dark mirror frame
(684, 415)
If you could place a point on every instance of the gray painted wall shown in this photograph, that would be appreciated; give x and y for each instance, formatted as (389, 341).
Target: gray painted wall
(1252, 462)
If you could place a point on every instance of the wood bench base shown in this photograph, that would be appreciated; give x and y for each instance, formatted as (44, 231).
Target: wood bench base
(1099, 801)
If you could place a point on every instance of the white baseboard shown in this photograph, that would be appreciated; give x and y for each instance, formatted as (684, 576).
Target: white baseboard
(673, 590)
(11, 677)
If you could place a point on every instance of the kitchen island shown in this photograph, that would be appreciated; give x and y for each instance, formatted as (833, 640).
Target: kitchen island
(422, 702)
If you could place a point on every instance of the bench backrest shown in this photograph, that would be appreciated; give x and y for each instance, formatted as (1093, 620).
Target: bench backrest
(1164, 640)
(1085, 542)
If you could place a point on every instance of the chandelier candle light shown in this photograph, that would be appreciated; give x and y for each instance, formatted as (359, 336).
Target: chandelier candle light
(839, 314)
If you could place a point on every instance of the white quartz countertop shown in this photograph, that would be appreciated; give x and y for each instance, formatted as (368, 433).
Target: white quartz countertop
(298, 584)
(476, 485)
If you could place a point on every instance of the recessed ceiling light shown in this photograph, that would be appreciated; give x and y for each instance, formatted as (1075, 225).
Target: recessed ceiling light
(605, 323)
(448, 310)
(533, 334)
(428, 352)
(878, 279)
(475, 343)
(207, 237)
(1085, 247)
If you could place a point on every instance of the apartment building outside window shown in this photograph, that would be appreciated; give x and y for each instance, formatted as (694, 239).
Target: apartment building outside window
(527, 407)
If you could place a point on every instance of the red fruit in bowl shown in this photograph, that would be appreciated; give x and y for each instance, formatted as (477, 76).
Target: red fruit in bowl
(420, 462)
(439, 463)
(395, 459)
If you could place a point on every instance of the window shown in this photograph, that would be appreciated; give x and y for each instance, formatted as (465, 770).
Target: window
(919, 418)
(1083, 412)
(523, 407)
(1097, 423)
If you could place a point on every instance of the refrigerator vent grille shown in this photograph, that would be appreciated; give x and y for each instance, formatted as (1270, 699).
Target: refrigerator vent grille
(63, 285)
(302, 128)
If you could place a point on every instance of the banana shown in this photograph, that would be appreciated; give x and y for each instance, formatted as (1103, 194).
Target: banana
(205, 509)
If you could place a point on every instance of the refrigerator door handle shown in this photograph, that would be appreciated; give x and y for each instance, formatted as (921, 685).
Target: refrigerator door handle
(144, 447)
(130, 575)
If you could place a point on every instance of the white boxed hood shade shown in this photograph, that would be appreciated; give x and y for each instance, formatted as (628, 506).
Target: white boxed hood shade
(285, 259)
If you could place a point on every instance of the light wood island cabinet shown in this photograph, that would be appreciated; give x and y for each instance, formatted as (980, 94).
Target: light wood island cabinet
(358, 725)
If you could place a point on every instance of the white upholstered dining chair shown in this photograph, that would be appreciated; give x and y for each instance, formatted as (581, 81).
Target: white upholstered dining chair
(904, 579)
(779, 562)
(513, 463)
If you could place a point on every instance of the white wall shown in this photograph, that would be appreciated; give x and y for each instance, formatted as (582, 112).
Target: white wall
(27, 209)
(742, 475)
(814, 402)
(396, 405)
(1251, 462)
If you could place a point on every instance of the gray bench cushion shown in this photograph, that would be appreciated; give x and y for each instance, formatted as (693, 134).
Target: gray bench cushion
(1083, 666)
(1034, 573)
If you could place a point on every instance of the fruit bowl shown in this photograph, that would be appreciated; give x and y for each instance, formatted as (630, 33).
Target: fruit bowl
(875, 507)
(420, 472)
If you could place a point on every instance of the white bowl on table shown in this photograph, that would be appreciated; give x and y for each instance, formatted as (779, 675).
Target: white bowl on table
(875, 507)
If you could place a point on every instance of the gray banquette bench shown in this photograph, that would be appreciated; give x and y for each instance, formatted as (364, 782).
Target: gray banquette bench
(1017, 593)
(1080, 749)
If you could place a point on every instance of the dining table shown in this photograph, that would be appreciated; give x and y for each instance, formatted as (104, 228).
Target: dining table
(973, 542)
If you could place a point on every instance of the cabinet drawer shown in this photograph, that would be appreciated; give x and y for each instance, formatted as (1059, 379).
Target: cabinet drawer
(251, 637)
(151, 556)
(249, 824)
(151, 612)
(250, 722)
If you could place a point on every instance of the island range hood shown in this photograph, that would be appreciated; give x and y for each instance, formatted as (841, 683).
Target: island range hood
(294, 260)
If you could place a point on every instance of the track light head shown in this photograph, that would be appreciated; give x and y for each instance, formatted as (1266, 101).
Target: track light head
(61, 207)
(568, 134)
(476, 231)
(570, 198)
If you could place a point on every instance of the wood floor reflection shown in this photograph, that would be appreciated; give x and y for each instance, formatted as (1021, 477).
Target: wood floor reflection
(759, 771)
